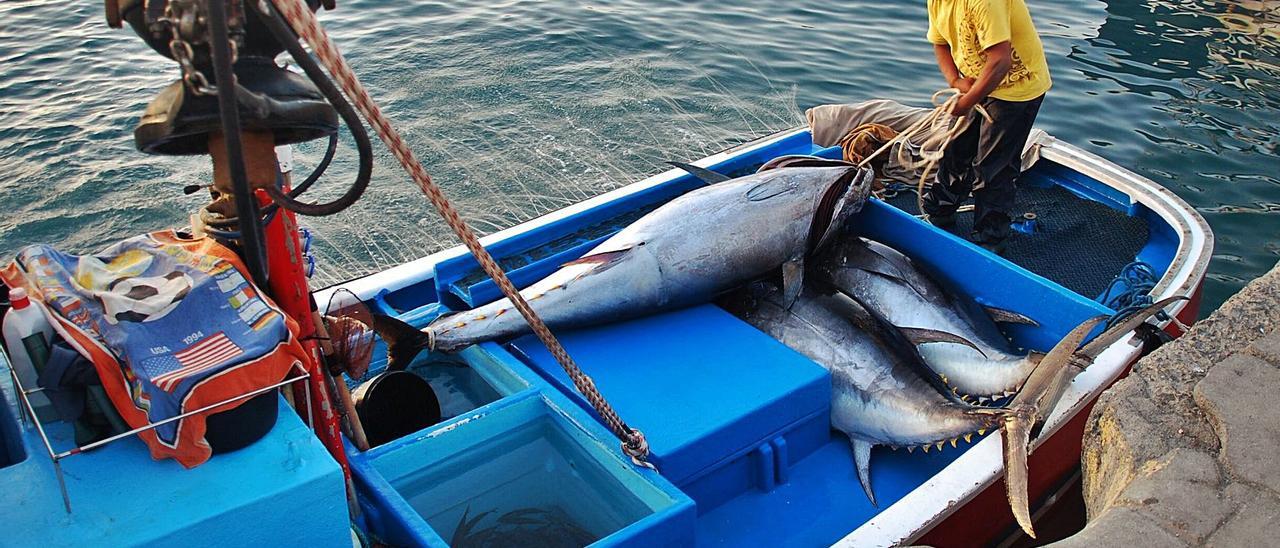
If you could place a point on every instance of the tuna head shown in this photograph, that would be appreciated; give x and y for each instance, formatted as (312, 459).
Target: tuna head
(844, 197)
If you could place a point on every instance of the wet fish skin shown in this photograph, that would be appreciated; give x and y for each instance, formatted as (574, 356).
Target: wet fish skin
(686, 251)
(883, 393)
(881, 389)
(890, 283)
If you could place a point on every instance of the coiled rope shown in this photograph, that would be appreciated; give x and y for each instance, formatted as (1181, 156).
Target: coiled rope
(1130, 292)
(305, 24)
(935, 132)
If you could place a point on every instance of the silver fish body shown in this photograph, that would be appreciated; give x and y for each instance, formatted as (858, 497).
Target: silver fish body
(881, 391)
(890, 283)
(687, 251)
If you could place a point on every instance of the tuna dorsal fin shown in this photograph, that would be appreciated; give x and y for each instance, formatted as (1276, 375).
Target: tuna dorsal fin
(920, 335)
(706, 175)
(1000, 315)
(888, 263)
(404, 343)
(862, 457)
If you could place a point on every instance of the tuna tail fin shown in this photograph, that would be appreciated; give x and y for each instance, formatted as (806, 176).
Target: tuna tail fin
(706, 175)
(1039, 395)
(1017, 441)
(1098, 344)
(862, 457)
(404, 343)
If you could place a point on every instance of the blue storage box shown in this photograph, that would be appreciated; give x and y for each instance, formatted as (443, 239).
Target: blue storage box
(724, 407)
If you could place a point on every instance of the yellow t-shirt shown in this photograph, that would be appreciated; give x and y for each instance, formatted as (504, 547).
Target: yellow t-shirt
(972, 26)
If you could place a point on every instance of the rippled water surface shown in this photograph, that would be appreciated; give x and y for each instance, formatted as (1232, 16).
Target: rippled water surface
(521, 107)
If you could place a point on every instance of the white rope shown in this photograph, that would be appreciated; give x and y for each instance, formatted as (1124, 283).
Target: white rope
(936, 131)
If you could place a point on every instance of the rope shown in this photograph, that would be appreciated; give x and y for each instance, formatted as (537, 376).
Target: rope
(1130, 292)
(938, 129)
(305, 24)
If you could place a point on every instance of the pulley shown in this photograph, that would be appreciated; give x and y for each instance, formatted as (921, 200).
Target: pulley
(181, 119)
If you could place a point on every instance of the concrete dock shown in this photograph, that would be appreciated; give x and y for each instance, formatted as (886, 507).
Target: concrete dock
(1186, 449)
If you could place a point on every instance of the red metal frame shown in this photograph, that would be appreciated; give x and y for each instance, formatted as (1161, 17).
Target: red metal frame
(287, 281)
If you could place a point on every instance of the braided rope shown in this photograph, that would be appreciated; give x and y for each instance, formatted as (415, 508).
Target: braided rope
(939, 128)
(305, 24)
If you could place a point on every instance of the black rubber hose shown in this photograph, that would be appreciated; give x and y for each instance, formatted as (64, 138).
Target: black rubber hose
(254, 253)
(285, 35)
(311, 179)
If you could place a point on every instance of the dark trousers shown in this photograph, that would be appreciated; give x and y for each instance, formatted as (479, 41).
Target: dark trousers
(985, 160)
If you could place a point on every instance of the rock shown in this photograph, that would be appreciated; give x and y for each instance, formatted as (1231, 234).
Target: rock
(1256, 519)
(1181, 494)
(1121, 527)
(1182, 450)
(1238, 396)
(1268, 348)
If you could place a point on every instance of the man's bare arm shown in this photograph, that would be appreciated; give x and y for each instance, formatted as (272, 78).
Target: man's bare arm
(947, 64)
(999, 59)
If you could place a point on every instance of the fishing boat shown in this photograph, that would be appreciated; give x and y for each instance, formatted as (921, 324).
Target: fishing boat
(737, 424)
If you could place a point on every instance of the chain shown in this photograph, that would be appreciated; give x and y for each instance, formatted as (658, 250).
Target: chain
(304, 23)
(184, 54)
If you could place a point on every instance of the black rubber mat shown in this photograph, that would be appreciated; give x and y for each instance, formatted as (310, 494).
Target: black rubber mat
(1080, 244)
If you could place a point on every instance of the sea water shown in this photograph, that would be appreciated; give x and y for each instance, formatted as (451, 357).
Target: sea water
(535, 484)
(459, 387)
(526, 106)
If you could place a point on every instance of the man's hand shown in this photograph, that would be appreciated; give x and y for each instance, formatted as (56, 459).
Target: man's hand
(962, 84)
(964, 105)
(999, 59)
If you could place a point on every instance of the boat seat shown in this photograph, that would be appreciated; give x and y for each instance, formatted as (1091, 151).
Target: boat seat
(703, 386)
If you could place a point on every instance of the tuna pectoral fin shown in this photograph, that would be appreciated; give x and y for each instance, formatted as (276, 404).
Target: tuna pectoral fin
(707, 176)
(1001, 315)
(862, 457)
(602, 260)
(1017, 440)
(920, 335)
(403, 341)
(792, 281)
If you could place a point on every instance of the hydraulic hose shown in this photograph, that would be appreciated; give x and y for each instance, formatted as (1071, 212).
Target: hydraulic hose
(228, 110)
(285, 35)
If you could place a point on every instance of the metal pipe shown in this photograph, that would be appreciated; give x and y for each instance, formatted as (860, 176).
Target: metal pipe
(252, 248)
(152, 425)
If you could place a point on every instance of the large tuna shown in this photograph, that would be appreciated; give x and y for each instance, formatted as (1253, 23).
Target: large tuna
(982, 364)
(687, 251)
(884, 394)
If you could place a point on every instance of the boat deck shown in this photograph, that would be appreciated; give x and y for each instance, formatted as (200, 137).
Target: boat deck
(1079, 243)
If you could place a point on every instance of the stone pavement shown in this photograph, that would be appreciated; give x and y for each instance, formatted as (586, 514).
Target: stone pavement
(1186, 449)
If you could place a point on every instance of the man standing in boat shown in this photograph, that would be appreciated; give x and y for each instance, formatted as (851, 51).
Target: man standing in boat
(990, 51)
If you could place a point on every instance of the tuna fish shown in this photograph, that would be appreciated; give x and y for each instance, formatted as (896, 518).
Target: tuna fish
(981, 363)
(689, 250)
(884, 394)
(882, 391)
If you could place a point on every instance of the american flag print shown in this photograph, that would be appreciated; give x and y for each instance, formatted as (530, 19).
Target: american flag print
(211, 352)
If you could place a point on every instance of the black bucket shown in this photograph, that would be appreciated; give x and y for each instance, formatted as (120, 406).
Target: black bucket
(395, 404)
(237, 428)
